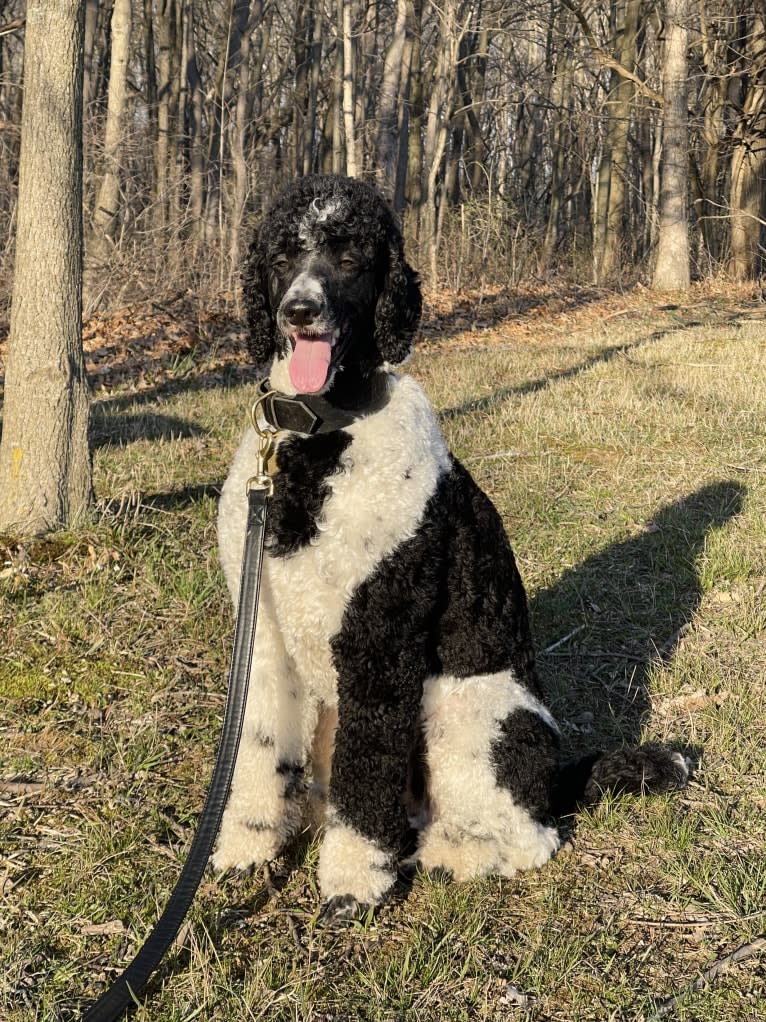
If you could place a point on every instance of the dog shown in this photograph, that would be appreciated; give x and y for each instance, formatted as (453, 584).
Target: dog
(394, 682)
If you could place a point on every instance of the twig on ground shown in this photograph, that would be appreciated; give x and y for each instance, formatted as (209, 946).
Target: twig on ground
(20, 787)
(566, 638)
(749, 950)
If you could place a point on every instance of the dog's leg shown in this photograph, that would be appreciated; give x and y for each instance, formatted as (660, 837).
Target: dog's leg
(321, 766)
(491, 751)
(269, 788)
(366, 818)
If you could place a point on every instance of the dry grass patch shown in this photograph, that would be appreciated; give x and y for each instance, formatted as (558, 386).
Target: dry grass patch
(627, 458)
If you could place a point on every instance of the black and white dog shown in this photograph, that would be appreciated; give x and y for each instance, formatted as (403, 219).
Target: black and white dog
(394, 682)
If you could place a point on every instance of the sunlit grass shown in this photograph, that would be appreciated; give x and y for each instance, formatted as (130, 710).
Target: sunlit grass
(628, 464)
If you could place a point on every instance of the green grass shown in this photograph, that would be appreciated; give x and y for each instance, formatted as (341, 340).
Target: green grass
(628, 462)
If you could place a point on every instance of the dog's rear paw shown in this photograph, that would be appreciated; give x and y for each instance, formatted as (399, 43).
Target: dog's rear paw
(463, 855)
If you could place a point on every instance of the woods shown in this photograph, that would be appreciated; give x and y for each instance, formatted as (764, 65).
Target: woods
(516, 140)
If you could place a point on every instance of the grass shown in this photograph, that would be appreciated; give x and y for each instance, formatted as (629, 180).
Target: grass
(627, 458)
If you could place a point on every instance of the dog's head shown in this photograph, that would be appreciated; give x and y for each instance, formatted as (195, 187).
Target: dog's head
(326, 284)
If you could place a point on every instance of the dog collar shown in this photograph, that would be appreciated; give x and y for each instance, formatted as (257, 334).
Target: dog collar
(310, 414)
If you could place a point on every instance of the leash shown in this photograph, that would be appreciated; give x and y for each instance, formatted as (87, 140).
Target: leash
(125, 990)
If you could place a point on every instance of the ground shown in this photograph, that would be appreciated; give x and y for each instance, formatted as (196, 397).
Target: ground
(623, 442)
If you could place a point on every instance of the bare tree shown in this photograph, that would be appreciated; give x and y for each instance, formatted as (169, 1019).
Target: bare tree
(386, 154)
(615, 163)
(671, 272)
(107, 208)
(45, 468)
(349, 126)
(748, 165)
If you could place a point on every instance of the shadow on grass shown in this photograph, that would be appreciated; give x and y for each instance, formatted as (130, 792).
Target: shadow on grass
(108, 430)
(632, 603)
(489, 402)
(221, 379)
(170, 500)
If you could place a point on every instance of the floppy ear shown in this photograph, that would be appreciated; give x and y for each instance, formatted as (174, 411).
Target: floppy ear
(261, 341)
(398, 310)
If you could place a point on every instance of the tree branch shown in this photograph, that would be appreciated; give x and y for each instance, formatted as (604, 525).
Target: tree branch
(12, 26)
(606, 60)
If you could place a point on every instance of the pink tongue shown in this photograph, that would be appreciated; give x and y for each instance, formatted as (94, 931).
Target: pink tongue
(309, 364)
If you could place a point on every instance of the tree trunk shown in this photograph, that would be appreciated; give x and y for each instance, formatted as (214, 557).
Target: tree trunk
(89, 71)
(45, 467)
(300, 85)
(166, 45)
(239, 138)
(671, 272)
(619, 106)
(349, 131)
(710, 198)
(195, 115)
(440, 111)
(414, 187)
(560, 144)
(315, 72)
(390, 102)
(748, 165)
(105, 216)
(403, 119)
(337, 101)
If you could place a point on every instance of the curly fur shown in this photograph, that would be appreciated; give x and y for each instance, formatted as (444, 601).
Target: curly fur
(392, 611)
(398, 307)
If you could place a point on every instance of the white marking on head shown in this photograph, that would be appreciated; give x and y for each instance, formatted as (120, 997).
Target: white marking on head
(318, 213)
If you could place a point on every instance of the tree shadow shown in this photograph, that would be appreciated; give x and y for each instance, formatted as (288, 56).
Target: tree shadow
(108, 430)
(220, 379)
(631, 602)
(488, 402)
(490, 309)
(171, 500)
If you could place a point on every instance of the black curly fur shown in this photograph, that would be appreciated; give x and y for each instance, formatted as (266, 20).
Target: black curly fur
(301, 488)
(448, 601)
(366, 219)
(526, 757)
(484, 625)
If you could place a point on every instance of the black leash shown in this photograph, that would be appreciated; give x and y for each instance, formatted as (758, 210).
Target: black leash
(272, 412)
(125, 990)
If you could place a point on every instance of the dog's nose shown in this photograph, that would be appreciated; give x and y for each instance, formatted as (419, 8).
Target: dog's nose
(301, 311)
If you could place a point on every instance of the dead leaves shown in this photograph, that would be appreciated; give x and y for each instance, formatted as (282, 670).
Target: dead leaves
(688, 701)
(53, 561)
(143, 346)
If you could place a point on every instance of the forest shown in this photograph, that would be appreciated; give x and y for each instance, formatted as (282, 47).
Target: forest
(516, 141)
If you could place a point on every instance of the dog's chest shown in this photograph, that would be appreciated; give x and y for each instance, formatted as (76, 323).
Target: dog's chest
(372, 501)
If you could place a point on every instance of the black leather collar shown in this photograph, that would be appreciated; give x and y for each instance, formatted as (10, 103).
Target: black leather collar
(314, 413)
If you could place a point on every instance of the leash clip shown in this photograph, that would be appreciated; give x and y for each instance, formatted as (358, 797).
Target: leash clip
(262, 479)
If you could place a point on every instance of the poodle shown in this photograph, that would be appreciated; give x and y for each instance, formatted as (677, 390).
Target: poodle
(394, 684)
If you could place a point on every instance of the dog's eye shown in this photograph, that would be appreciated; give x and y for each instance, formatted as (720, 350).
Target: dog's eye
(280, 263)
(348, 262)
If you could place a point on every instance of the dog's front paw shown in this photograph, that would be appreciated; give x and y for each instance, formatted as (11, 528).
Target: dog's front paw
(353, 869)
(342, 908)
(244, 846)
